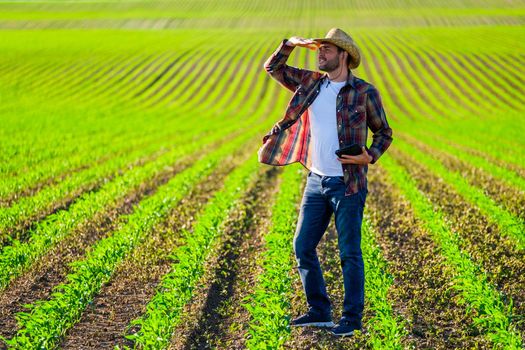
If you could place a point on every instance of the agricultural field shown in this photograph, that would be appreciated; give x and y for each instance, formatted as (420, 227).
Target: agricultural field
(134, 212)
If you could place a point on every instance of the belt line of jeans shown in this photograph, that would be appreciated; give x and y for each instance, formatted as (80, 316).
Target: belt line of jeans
(321, 176)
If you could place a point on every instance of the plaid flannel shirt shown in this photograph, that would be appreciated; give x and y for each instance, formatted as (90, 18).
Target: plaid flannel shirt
(359, 107)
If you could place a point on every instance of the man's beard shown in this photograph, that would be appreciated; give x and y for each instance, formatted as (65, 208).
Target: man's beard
(330, 66)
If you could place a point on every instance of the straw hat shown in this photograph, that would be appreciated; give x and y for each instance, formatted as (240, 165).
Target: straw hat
(339, 38)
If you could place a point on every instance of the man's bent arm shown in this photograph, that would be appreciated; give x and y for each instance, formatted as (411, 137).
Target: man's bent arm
(288, 76)
(376, 121)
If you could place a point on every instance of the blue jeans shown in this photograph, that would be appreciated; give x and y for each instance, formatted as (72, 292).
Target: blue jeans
(323, 196)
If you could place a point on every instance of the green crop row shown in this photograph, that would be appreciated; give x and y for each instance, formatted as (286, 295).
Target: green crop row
(457, 124)
(49, 169)
(509, 225)
(46, 197)
(92, 143)
(269, 304)
(176, 288)
(385, 330)
(480, 297)
(488, 135)
(28, 169)
(16, 258)
(442, 94)
(29, 207)
(48, 320)
(108, 100)
(22, 177)
(440, 144)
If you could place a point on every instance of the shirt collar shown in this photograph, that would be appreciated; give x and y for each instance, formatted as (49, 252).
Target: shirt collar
(349, 80)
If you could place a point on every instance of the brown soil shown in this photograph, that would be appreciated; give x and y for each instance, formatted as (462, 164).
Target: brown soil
(134, 282)
(22, 228)
(50, 270)
(216, 318)
(502, 193)
(489, 60)
(513, 62)
(508, 88)
(502, 261)
(11, 198)
(422, 277)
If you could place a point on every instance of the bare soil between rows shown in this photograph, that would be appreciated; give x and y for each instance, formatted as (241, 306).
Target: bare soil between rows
(216, 318)
(50, 270)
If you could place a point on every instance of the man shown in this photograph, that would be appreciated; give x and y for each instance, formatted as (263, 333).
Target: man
(327, 112)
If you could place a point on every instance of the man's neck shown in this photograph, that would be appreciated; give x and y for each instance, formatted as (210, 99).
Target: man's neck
(338, 76)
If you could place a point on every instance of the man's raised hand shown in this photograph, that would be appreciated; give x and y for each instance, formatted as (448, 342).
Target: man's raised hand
(299, 41)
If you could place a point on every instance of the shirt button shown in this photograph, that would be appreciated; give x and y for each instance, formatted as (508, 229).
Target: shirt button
(340, 141)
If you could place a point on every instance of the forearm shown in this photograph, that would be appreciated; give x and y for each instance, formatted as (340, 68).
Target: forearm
(377, 122)
(277, 61)
(276, 67)
(382, 139)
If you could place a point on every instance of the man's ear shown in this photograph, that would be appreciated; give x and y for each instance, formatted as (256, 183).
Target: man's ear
(345, 55)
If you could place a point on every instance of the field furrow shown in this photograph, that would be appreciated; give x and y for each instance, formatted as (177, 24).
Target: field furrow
(505, 187)
(421, 292)
(510, 225)
(215, 317)
(124, 299)
(502, 260)
(490, 315)
(134, 213)
(90, 273)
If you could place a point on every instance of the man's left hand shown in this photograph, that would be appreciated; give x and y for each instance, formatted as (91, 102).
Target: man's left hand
(363, 158)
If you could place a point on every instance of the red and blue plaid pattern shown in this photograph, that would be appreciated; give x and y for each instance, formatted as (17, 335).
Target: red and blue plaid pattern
(359, 108)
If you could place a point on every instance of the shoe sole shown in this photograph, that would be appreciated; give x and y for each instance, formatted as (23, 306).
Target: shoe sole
(315, 324)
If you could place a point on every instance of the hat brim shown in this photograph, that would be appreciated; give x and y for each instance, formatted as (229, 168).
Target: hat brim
(352, 50)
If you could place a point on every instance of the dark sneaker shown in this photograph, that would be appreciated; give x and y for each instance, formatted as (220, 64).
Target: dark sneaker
(313, 319)
(345, 328)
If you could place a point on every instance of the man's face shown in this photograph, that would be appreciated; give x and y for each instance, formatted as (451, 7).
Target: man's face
(328, 57)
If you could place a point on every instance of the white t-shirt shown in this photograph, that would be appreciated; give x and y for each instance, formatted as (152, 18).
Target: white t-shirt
(323, 130)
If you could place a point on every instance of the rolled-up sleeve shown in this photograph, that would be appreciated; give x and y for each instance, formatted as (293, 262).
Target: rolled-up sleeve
(288, 76)
(378, 124)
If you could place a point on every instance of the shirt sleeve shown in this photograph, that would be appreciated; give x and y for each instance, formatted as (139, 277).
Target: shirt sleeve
(378, 124)
(288, 76)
